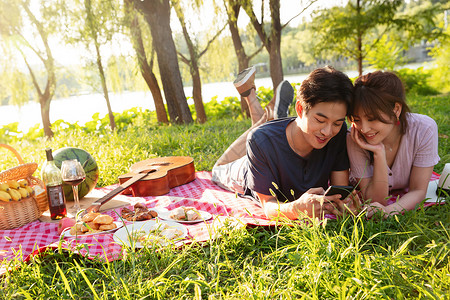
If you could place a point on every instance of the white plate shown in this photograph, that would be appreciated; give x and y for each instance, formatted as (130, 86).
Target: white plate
(204, 216)
(123, 235)
(66, 232)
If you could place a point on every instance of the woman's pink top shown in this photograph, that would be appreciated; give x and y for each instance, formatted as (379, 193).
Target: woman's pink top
(418, 147)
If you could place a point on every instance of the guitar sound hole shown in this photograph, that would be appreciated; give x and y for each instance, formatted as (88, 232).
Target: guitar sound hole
(149, 171)
(160, 164)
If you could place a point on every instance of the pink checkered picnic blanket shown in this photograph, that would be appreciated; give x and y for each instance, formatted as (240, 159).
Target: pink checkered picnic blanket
(201, 193)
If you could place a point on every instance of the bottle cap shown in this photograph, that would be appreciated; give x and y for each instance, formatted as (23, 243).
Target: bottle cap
(49, 154)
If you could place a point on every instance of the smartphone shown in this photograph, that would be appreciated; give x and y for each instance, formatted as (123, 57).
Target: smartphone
(343, 190)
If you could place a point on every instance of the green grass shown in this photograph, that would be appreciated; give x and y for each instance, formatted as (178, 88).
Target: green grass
(404, 257)
(438, 108)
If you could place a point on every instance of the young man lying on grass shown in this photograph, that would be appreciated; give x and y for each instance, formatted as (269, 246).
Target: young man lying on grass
(287, 163)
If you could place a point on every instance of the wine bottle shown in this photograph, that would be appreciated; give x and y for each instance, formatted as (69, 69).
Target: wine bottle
(51, 176)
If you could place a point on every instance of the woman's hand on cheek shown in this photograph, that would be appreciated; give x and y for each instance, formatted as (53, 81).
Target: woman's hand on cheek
(361, 142)
(357, 138)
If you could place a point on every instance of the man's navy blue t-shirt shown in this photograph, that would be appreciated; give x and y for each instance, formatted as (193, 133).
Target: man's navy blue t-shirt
(273, 165)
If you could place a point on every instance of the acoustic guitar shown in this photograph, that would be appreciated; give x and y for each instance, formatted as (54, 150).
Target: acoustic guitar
(151, 177)
(163, 173)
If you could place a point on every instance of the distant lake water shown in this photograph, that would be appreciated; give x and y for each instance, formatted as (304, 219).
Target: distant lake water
(81, 108)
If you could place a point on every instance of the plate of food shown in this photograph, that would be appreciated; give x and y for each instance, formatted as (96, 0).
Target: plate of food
(91, 224)
(150, 233)
(185, 214)
(140, 213)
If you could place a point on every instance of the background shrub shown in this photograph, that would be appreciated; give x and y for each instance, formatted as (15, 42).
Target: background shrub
(417, 81)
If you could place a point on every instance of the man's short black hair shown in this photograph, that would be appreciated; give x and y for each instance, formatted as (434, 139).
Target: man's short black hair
(325, 85)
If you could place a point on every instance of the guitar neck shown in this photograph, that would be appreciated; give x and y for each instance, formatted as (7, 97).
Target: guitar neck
(95, 207)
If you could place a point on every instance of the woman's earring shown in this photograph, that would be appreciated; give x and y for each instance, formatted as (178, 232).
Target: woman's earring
(398, 122)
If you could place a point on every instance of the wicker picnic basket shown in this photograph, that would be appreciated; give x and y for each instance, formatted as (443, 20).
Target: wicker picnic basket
(18, 213)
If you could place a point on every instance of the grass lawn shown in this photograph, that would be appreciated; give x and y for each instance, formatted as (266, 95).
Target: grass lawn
(404, 257)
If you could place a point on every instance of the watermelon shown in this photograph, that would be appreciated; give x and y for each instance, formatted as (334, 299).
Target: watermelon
(89, 165)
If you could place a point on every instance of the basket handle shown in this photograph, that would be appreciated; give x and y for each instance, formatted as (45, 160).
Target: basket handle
(37, 181)
(19, 158)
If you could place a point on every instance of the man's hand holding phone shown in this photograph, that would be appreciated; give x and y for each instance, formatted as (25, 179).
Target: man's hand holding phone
(348, 202)
(343, 190)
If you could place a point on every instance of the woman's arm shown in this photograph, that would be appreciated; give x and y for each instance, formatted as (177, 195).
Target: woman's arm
(339, 177)
(377, 187)
(418, 185)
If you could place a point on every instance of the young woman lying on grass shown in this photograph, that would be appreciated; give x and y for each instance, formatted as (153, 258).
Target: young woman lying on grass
(389, 147)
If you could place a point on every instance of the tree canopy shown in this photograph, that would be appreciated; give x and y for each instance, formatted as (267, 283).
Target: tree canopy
(370, 32)
(363, 25)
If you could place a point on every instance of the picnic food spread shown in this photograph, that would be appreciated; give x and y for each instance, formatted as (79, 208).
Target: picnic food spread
(93, 223)
(150, 233)
(157, 233)
(140, 213)
(151, 177)
(183, 213)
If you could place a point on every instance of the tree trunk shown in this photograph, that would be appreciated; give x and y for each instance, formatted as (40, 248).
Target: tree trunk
(359, 43)
(243, 59)
(195, 74)
(274, 49)
(152, 82)
(197, 93)
(272, 42)
(45, 115)
(360, 59)
(44, 97)
(193, 66)
(146, 68)
(112, 123)
(276, 67)
(157, 15)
